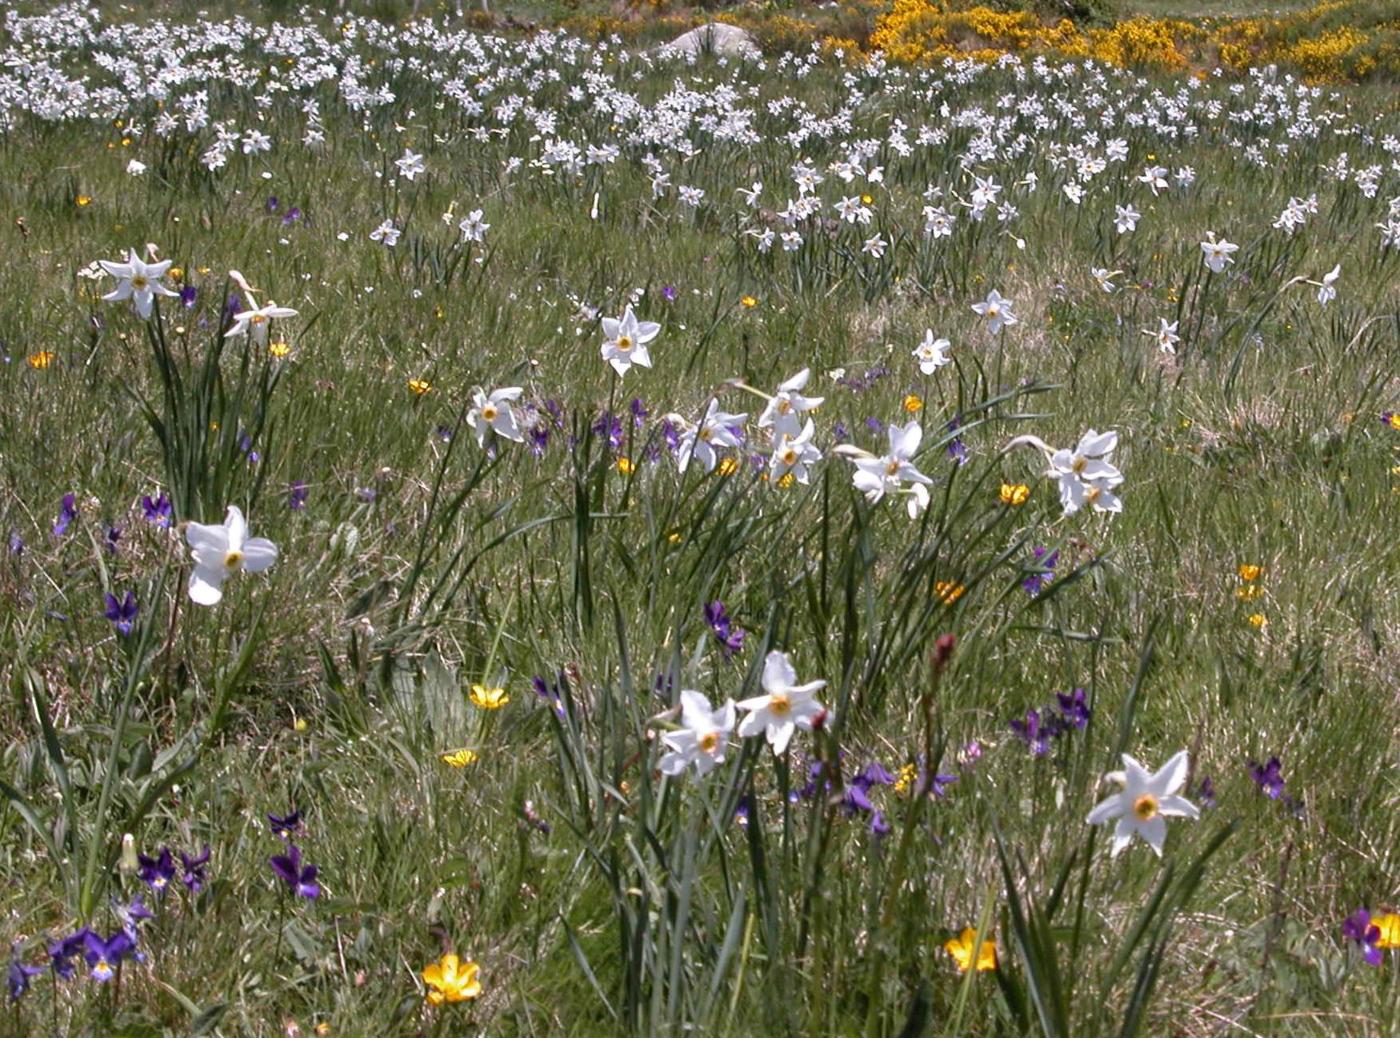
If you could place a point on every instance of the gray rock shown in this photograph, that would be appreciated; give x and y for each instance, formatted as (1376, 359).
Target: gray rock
(719, 38)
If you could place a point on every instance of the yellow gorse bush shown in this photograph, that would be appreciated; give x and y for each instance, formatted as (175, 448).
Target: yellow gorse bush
(1333, 41)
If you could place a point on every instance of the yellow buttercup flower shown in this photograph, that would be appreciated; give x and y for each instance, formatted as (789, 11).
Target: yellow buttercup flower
(419, 385)
(785, 480)
(489, 698)
(41, 360)
(175, 273)
(728, 467)
(1249, 592)
(748, 302)
(459, 758)
(1389, 926)
(1394, 420)
(866, 199)
(904, 781)
(1259, 621)
(83, 201)
(279, 349)
(949, 591)
(1248, 571)
(1014, 493)
(913, 403)
(451, 980)
(625, 466)
(961, 949)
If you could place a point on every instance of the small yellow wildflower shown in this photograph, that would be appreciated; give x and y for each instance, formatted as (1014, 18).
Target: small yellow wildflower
(785, 480)
(419, 385)
(866, 199)
(625, 466)
(674, 538)
(1249, 572)
(83, 201)
(1259, 621)
(904, 781)
(279, 349)
(489, 698)
(1394, 420)
(176, 273)
(1389, 926)
(451, 980)
(728, 467)
(961, 949)
(459, 758)
(748, 302)
(299, 725)
(1249, 592)
(322, 1029)
(913, 403)
(41, 360)
(949, 591)
(1014, 494)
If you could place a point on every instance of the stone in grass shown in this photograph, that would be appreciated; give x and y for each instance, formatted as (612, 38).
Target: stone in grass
(718, 38)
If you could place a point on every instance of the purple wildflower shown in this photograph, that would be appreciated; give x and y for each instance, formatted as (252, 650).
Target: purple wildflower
(875, 425)
(272, 204)
(16, 543)
(132, 916)
(19, 974)
(840, 433)
(639, 412)
(1268, 777)
(549, 693)
(610, 426)
(285, 826)
(123, 613)
(159, 512)
(105, 956)
(157, 872)
(671, 434)
(730, 635)
(301, 880)
(1074, 709)
(1206, 792)
(192, 874)
(668, 293)
(188, 296)
(291, 216)
(1359, 928)
(67, 512)
(1035, 732)
(296, 496)
(957, 450)
(539, 439)
(1046, 560)
(62, 953)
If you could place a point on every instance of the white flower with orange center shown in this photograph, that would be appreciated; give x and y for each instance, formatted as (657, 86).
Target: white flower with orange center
(1145, 803)
(785, 705)
(626, 340)
(702, 739)
(493, 413)
(223, 550)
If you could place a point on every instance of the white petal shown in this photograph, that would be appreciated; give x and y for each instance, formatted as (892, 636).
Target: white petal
(779, 735)
(1177, 807)
(258, 554)
(204, 586)
(237, 528)
(779, 675)
(203, 537)
(1171, 777)
(1106, 809)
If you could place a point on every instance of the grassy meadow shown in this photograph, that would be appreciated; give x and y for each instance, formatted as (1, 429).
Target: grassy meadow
(464, 670)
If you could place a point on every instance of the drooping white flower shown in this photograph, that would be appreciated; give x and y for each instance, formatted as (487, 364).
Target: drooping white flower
(703, 738)
(492, 413)
(786, 407)
(1145, 803)
(1085, 475)
(932, 353)
(254, 322)
(221, 551)
(997, 311)
(626, 339)
(1103, 277)
(1327, 290)
(138, 281)
(785, 705)
(792, 455)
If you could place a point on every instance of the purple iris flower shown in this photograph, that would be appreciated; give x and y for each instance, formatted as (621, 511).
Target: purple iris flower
(291, 216)
(67, 512)
(112, 537)
(300, 879)
(285, 826)
(957, 450)
(192, 874)
(159, 512)
(856, 798)
(62, 953)
(874, 774)
(1046, 560)
(123, 613)
(878, 825)
(639, 412)
(730, 635)
(1074, 709)
(1268, 777)
(671, 435)
(132, 916)
(539, 439)
(609, 425)
(743, 811)
(549, 693)
(1206, 793)
(16, 543)
(1359, 928)
(273, 204)
(1036, 733)
(875, 425)
(668, 293)
(296, 496)
(105, 956)
(840, 433)
(19, 974)
(188, 296)
(157, 872)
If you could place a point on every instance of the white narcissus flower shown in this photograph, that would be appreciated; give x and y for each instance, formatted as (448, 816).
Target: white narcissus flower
(1217, 254)
(137, 281)
(254, 322)
(221, 551)
(492, 413)
(787, 405)
(1125, 218)
(932, 353)
(1085, 475)
(473, 226)
(875, 477)
(785, 705)
(410, 165)
(626, 340)
(1165, 335)
(387, 233)
(1146, 802)
(1327, 291)
(997, 311)
(716, 429)
(792, 455)
(702, 740)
